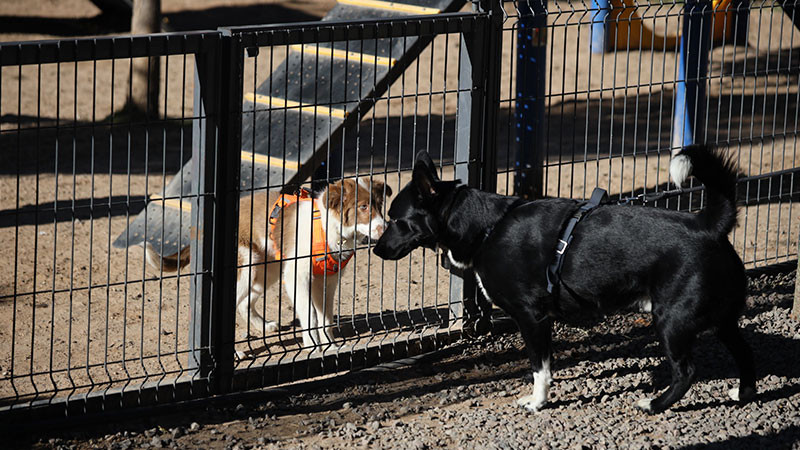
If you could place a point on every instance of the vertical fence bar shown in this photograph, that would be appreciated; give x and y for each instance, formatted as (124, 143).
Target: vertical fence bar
(226, 217)
(476, 128)
(492, 67)
(206, 99)
(530, 100)
(462, 284)
(690, 89)
(790, 9)
(215, 181)
(741, 21)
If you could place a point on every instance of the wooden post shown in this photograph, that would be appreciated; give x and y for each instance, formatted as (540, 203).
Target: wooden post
(146, 19)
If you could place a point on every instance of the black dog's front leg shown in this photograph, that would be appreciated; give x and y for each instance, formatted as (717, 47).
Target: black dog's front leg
(477, 308)
(477, 313)
(537, 337)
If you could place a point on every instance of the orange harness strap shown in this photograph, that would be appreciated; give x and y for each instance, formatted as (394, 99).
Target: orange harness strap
(324, 260)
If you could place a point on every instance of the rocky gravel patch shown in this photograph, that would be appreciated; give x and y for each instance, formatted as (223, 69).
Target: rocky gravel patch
(464, 397)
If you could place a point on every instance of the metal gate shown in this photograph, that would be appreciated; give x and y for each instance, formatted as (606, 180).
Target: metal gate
(94, 327)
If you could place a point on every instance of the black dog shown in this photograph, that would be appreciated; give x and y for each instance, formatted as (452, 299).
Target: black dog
(682, 263)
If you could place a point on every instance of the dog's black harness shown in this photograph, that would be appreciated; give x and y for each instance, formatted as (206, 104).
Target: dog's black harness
(599, 196)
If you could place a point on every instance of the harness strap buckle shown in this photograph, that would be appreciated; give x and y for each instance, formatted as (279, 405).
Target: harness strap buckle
(561, 247)
(553, 273)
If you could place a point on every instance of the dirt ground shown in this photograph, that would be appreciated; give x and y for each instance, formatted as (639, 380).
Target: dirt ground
(464, 397)
(77, 312)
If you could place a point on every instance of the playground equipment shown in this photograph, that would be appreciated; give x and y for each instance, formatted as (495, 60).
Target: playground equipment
(616, 24)
(286, 158)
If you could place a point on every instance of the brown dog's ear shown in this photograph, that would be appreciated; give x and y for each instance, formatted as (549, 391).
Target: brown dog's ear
(333, 196)
(378, 188)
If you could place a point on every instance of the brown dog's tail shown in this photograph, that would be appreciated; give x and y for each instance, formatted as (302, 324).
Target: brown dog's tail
(166, 264)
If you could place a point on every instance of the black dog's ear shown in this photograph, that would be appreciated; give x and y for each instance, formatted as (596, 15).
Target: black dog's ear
(424, 158)
(425, 176)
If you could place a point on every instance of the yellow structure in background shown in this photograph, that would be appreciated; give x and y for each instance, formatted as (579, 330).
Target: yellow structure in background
(629, 30)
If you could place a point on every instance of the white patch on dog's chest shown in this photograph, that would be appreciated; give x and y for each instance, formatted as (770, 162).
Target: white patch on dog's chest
(458, 265)
(483, 289)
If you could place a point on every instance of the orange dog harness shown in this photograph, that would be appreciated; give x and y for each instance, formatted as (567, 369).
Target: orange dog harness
(325, 261)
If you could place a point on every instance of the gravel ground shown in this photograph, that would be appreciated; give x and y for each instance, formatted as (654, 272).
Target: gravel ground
(463, 397)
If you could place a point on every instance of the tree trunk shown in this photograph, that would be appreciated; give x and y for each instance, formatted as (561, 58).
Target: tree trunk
(145, 76)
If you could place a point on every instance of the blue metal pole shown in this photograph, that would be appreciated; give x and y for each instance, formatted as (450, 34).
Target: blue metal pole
(530, 100)
(600, 34)
(690, 92)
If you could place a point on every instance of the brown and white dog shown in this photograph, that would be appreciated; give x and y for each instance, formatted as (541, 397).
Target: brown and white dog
(276, 234)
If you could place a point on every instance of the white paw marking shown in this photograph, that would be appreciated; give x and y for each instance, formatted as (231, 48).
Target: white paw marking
(644, 404)
(271, 327)
(541, 388)
(531, 402)
(734, 394)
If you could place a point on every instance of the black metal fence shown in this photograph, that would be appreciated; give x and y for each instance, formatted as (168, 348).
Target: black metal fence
(91, 325)
(619, 90)
(245, 113)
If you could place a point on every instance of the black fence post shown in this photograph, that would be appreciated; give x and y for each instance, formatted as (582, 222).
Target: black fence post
(475, 158)
(530, 99)
(490, 109)
(226, 216)
(215, 182)
(206, 99)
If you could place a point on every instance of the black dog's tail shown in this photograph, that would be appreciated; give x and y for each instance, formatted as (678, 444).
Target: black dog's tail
(718, 173)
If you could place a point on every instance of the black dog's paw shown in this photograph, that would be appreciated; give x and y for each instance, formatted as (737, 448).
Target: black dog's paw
(533, 403)
(646, 405)
(479, 327)
(742, 395)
